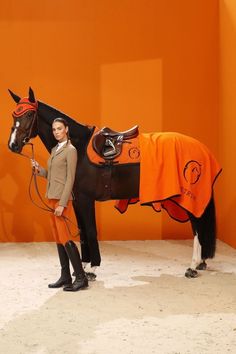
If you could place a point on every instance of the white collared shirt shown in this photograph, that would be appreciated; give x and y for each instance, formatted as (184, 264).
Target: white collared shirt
(59, 145)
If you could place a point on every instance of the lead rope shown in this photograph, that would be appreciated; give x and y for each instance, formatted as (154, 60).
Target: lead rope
(46, 206)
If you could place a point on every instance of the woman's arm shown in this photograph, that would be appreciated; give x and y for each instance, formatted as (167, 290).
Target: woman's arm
(70, 176)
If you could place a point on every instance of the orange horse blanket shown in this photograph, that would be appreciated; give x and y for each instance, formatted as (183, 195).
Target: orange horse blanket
(177, 173)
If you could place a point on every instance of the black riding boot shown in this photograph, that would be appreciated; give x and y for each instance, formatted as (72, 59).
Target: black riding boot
(65, 278)
(80, 281)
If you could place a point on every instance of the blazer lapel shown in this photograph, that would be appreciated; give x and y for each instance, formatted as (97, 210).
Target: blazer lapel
(55, 153)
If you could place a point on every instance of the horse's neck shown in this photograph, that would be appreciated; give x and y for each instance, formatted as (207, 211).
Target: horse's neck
(80, 134)
(45, 134)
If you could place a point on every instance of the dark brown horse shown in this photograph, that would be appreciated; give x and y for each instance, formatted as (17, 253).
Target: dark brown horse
(99, 182)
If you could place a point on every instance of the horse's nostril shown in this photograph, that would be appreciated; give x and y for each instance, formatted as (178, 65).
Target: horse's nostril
(14, 147)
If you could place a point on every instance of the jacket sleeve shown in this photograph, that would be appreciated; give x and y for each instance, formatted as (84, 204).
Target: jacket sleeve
(70, 175)
(42, 172)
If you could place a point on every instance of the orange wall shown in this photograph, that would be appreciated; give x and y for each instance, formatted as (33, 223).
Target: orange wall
(227, 122)
(162, 57)
(130, 92)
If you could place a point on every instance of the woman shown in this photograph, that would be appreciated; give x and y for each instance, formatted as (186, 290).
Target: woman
(60, 179)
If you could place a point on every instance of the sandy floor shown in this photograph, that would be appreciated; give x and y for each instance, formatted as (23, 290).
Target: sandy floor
(140, 303)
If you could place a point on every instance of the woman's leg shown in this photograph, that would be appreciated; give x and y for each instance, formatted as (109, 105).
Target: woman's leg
(65, 278)
(81, 281)
(64, 233)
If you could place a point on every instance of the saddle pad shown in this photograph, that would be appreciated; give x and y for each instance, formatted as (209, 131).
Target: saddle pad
(130, 152)
(177, 173)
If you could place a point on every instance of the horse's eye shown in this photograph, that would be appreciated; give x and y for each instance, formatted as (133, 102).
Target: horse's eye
(29, 114)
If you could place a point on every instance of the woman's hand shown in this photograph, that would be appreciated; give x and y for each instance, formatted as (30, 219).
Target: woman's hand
(35, 166)
(59, 210)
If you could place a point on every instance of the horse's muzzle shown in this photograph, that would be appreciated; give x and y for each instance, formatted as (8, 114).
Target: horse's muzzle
(14, 147)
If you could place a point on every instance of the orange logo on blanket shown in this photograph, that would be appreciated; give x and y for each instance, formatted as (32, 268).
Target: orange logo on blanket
(130, 152)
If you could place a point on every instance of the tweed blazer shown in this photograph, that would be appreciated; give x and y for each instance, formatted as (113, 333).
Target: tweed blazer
(61, 173)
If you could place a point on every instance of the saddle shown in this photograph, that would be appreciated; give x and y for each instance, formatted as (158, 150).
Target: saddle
(108, 143)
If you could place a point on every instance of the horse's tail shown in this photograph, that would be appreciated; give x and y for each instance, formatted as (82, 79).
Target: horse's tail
(206, 229)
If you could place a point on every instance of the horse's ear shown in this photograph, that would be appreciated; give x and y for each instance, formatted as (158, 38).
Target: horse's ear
(31, 95)
(14, 96)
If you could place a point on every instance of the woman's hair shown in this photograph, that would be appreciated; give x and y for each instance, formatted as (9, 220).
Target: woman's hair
(60, 120)
(64, 122)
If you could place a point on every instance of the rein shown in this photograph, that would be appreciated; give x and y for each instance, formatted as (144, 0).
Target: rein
(46, 207)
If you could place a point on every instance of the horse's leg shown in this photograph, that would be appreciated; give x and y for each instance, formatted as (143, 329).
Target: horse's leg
(197, 251)
(85, 214)
(206, 226)
(191, 272)
(204, 229)
(83, 240)
(196, 259)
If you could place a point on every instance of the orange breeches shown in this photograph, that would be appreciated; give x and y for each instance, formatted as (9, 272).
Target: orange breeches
(59, 225)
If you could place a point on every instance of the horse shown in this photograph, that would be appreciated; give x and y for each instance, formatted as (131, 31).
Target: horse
(102, 181)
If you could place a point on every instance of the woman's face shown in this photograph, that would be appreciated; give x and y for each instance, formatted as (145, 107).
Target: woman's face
(59, 131)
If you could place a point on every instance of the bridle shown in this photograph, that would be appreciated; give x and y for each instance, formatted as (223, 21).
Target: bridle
(27, 138)
(28, 106)
(24, 106)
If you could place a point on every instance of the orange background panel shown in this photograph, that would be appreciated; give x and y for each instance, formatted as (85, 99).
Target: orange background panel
(117, 63)
(227, 121)
(131, 92)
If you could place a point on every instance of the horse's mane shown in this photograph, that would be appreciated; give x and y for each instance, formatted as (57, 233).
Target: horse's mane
(49, 113)
(79, 133)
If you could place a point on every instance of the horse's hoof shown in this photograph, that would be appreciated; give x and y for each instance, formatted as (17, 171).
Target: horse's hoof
(202, 266)
(191, 273)
(90, 276)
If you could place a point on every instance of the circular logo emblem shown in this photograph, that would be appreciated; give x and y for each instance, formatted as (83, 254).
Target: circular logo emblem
(134, 153)
(192, 171)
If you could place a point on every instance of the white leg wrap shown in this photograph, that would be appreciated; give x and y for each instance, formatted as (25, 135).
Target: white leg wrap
(85, 264)
(197, 250)
(93, 269)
